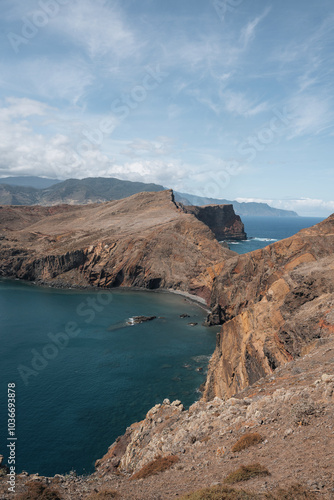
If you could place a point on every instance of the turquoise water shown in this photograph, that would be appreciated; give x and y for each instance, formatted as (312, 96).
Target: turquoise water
(262, 231)
(76, 392)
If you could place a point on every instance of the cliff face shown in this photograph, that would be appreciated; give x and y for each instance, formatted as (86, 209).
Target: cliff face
(274, 303)
(221, 219)
(144, 241)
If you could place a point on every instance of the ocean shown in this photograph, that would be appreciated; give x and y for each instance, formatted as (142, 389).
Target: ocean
(83, 372)
(262, 231)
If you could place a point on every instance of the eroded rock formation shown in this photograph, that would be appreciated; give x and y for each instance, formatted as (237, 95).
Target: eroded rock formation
(221, 219)
(143, 241)
(274, 303)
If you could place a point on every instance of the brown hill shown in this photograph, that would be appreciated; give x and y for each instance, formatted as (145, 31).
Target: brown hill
(274, 353)
(274, 302)
(144, 241)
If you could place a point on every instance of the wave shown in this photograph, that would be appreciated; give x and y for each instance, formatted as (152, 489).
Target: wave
(242, 242)
(263, 239)
(202, 358)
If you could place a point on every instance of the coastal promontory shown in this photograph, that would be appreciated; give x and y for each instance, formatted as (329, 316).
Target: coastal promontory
(146, 241)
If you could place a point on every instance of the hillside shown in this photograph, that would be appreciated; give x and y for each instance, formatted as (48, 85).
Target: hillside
(74, 192)
(38, 191)
(269, 397)
(146, 240)
(274, 304)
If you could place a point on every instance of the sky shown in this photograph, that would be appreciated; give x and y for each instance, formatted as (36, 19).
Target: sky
(219, 98)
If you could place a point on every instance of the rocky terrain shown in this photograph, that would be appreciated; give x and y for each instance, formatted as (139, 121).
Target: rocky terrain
(270, 377)
(221, 219)
(291, 411)
(275, 303)
(145, 241)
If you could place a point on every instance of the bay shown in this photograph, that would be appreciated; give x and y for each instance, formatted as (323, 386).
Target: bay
(96, 382)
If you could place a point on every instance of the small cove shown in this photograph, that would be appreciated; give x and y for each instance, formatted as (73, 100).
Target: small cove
(77, 391)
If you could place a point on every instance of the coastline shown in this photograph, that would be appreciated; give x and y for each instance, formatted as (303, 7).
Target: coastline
(199, 301)
(187, 299)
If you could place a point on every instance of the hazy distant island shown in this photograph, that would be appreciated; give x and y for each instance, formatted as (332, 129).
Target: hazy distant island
(31, 190)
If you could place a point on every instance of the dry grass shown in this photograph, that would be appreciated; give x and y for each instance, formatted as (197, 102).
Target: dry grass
(249, 439)
(295, 492)
(104, 495)
(158, 465)
(246, 472)
(38, 491)
(220, 493)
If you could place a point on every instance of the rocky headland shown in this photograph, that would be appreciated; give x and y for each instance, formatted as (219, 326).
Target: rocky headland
(221, 219)
(271, 378)
(146, 241)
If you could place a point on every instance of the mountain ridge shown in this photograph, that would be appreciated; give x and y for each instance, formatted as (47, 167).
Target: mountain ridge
(32, 190)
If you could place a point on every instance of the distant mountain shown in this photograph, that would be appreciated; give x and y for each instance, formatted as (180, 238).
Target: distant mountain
(74, 192)
(41, 191)
(29, 181)
(242, 209)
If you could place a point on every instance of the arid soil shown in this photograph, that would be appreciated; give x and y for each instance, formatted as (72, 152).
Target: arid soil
(272, 372)
(143, 241)
(275, 303)
(292, 410)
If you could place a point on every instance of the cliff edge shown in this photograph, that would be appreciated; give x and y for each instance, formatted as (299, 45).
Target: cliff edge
(221, 219)
(144, 241)
(274, 303)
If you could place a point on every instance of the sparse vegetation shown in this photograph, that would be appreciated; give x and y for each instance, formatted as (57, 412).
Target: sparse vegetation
(295, 492)
(249, 439)
(37, 491)
(104, 495)
(304, 411)
(158, 465)
(246, 472)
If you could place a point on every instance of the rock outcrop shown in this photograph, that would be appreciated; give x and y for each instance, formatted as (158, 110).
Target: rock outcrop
(274, 353)
(143, 241)
(290, 411)
(274, 303)
(221, 219)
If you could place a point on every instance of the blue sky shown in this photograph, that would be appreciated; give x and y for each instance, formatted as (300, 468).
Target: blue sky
(220, 98)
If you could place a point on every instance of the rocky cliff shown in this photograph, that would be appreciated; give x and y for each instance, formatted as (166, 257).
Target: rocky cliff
(274, 304)
(143, 241)
(290, 413)
(221, 219)
(274, 352)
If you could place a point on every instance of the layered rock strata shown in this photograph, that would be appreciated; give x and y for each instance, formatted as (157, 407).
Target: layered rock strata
(274, 303)
(143, 241)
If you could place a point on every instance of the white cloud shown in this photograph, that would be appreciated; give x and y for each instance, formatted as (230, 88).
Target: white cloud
(310, 114)
(162, 146)
(98, 27)
(248, 32)
(23, 107)
(240, 104)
